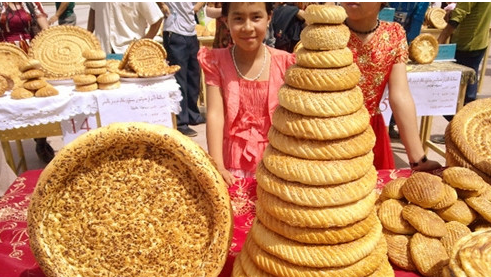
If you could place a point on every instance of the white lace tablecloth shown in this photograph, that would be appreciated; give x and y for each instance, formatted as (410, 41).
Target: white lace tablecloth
(42, 110)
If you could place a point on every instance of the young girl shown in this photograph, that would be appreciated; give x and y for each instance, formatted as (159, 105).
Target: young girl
(242, 86)
(380, 50)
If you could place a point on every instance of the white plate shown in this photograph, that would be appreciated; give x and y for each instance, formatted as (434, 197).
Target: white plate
(65, 82)
(148, 79)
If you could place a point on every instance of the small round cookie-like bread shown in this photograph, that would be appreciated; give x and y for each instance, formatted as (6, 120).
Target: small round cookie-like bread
(455, 231)
(423, 49)
(424, 189)
(390, 214)
(32, 74)
(322, 104)
(332, 79)
(325, 14)
(463, 178)
(398, 250)
(83, 79)
(428, 254)
(108, 78)
(109, 86)
(324, 59)
(21, 93)
(449, 199)
(95, 63)
(339, 149)
(46, 91)
(95, 70)
(31, 64)
(427, 222)
(85, 88)
(93, 54)
(34, 85)
(393, 189)
(459, 211)
(320, 128)
(325, 37)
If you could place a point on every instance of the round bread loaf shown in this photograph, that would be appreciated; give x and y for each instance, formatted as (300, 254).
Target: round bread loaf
(108, 78)
(95, 70)
(320, 128)
(32, 74)
(332, 79)
(134, 193)
(325, 37)
(324, 59)
(322, 104)
(95, 63)
(46, 91)
(86, 88)
(325, 14)
(35, 84)
(84, 79)
(21, 93)
(423, 49)
(94, 54)
(109, 86)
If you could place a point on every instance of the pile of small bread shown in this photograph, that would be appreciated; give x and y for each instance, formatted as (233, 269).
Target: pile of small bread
(425, 215)
(315, 213)
(96, 73)
(33, 82)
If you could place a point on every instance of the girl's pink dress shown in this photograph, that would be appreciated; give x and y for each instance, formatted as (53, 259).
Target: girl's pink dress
(375, 59)
(249, 107)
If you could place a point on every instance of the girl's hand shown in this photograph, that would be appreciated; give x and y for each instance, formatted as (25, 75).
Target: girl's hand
(429, 165)
(227, 176)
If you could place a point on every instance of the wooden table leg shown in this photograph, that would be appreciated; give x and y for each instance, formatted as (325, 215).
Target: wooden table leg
(20, 151)
(425, 131)
(7, 151)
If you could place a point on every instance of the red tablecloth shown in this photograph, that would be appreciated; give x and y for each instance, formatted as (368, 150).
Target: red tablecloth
(16, 258)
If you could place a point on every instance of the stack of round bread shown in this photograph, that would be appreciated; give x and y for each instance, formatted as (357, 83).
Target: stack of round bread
(425, 215)
(34, 82)
(467, 138)
(96, 73)
(316, 199)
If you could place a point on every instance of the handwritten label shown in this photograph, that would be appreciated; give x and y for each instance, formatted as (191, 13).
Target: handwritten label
(151, 107)
(76, 126)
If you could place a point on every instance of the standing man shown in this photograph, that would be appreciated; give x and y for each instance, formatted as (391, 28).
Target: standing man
(64, 14)
(181, 44)
(117, 24)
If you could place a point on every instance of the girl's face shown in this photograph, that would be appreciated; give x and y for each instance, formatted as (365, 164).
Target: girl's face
(248, 23)
(361, 10)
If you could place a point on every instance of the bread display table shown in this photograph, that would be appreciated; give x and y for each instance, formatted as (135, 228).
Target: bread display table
(153, 99)
(16, 258)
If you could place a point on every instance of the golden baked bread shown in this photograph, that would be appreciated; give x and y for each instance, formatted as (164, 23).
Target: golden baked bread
(84, 79)
(423, 49)
(471, 255)
(109, 86)
(237, 270)
(86, 88)
(95, 63)
(463, 178)
(332, 235)
(11, 59)
(325, 36)
(428, 254)
(398, 250)
(320, 128)
(21, 93)
(481, 205)
(133, 193)
(455, 231)
(46, 91)
(315, 172)
(322, 104)
(278, 267)
(424, 189)
(316, 196)
(436, 17)
(390, 215)
(324, 14)
(250, 269)
(449, 199)
(145, 55)
(60, 49)
(393, 188)
(3, 85)
(324, 59)
(94, 54)
(35, 84)
(384, 270)
(425, 221)
(316, 217)
(30, 64)
(108, 78)
(339, 149)
(32, 74)
(95, 70)
(459, 211)
(330, 79)
(318, 256)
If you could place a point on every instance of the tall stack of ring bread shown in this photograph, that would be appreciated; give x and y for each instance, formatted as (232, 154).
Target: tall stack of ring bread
(315, 214)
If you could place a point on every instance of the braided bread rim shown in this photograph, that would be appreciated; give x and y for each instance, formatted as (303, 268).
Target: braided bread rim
(322, 79)
(325, 37)
(323, 59)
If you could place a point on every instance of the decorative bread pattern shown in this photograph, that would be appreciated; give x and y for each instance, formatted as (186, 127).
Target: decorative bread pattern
(324, 59)
(314, 172)
(455, 231)
(322, 104)
(424, 189)
(425, 221)
(325, 37)
(459, 211)
(325, 14)
(390, 214)
(398, 250)
(12, 58)
(146, 54)
(393, 189)
(337, 255)
(320, 128)
(449, 198)
(250, 269)
(470, 255)
(463, 178)
(428, 254)
(21, 93)
(133, 192)
(331, 79)
(46, 91)
(423, 49)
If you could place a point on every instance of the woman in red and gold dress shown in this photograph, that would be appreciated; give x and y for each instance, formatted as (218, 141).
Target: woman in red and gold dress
(380, 50)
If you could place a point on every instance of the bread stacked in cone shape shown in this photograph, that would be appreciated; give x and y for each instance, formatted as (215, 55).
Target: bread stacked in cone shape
(315, 214)
(34, 81)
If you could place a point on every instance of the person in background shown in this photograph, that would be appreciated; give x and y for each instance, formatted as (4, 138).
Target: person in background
(16, 25)
(380, 50)
(242, 93)
(222, 34)
(64, 14)
(411, 16)
(182, 45)
(287, 22)
(117, 24)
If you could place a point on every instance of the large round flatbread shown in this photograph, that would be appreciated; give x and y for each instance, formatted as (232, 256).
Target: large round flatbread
(11, 59)
(130, 199)
(60, 48)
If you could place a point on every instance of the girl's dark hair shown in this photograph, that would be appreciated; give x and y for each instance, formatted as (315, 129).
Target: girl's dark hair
(226, 6)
